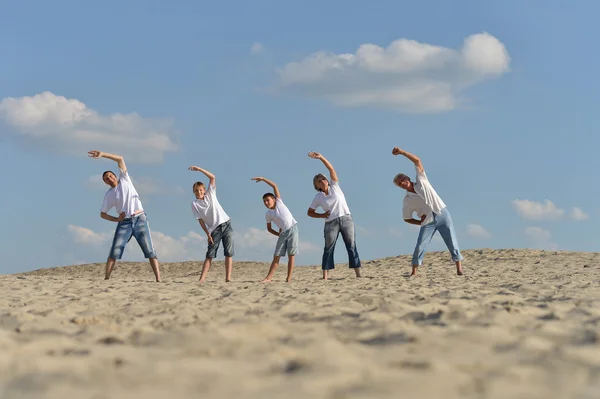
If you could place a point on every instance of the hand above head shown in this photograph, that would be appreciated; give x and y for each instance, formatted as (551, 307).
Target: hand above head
(397, 151)
(258, 179)
(94, 154)
(194, 169)
(315, 155)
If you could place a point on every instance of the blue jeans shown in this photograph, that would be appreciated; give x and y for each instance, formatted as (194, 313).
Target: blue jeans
(138, 227)
(222, 232)
(443, 224)
(333, 228)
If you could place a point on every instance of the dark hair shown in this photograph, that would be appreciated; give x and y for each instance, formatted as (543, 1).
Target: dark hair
(267, 195)
(108, 171)
(198, 183)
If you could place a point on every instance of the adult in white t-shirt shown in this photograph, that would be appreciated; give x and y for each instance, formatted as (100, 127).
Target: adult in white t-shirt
(337, 217)
(132, 220)
(432, 213)
(215, 223)
(287, 241)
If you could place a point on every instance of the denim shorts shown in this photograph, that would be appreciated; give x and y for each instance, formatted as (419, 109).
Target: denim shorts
(287, 242)
(138, 227)
(223, 232)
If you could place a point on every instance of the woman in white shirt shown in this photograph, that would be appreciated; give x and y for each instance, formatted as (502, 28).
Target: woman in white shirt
(337, 217)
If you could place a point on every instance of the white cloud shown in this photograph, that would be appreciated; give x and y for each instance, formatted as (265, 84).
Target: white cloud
(537, 211)
(68, 126)
(477, 231)
(364, 231)
(407, 75)
(540, 238)
(144, 185)
(578, 214)
(394, 232)
(257, 48)
(249, 244)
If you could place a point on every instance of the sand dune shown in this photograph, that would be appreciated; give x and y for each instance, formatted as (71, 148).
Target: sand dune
(519, 324)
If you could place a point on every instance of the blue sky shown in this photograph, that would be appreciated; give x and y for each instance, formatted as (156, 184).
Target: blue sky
(496, 98)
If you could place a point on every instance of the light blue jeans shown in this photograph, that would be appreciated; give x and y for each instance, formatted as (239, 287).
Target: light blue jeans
(443, 224)
(333, 228)
(138, 227)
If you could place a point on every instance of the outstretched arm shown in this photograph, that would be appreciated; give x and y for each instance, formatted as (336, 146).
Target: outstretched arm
(117, 158)
(415, 159)
(210, 176)
(328, 165)
(270, 183)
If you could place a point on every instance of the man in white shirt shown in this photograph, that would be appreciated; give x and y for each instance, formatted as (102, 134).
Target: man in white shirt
(422, 199)
(287, 241)
(132, 220)
(215, 223)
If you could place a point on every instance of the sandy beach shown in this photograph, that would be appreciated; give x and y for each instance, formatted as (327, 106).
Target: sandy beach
(519, 324)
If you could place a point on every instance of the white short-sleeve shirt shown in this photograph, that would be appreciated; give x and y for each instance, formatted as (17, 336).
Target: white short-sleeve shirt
(425, 201)
(209, 209)
(123, 197)
(281, 216)
(334, 202)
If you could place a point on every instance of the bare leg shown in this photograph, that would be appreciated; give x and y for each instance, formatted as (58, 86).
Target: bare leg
(357, 271)
(274, 266)
(155, 268)
(110, 264)
(414, 270)
(290, 268)
(205, 269)
(459, 269)
(325, 275)
(228, 268)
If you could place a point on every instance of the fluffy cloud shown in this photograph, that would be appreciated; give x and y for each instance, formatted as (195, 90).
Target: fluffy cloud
(578, 214)
(68, 126)
(407, 75)
(537, 211)
(540, 238)
(477, 231)
(250, 244)
(257, 48)
(144, 185)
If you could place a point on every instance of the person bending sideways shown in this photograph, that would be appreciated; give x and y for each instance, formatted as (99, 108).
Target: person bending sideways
(132, 220)
(287, 241)
(214, 221)
(422, 199)
(338, 219)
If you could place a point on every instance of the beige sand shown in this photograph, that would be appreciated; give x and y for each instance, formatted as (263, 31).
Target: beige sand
(520, 324)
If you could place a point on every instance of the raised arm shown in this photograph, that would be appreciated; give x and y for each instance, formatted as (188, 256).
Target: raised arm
(117, 158)
(415, 159)
(210, 176)
(270, 183)
(328, 165)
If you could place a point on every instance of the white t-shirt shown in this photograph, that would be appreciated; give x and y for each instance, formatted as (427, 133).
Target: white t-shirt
(334, 202)
(281, 216)
(209, 209)
(424, 202)
(123, 197)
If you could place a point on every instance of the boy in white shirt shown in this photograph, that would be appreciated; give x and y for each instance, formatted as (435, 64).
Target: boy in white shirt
(337, 217)
(215, 223)
(132, 219)
(433, 214)
(287, 242)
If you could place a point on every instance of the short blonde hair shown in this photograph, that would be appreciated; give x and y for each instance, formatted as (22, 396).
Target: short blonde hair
(198, 183)
(317, 179)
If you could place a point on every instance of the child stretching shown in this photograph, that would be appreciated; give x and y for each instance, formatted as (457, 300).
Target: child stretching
(288, 229)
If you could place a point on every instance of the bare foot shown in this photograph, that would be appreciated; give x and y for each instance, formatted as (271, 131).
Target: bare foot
(414, 271)
(202, 280)
(288, 280)
(227, 280)
(459, 272)
(267, 280)
(357, 271)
